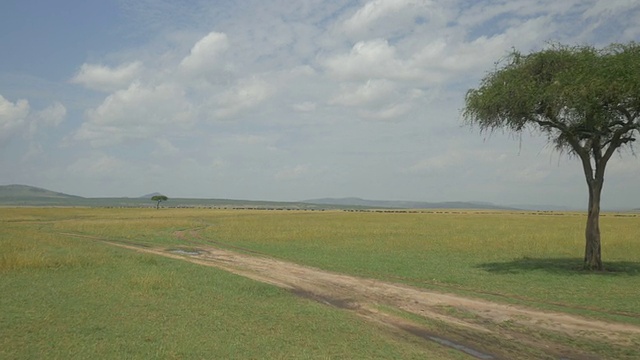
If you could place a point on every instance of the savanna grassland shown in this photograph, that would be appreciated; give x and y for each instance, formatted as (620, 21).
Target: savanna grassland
(66, 293)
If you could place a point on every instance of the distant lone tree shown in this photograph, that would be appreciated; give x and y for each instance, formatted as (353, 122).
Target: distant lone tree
(159, 199)
(585, 100)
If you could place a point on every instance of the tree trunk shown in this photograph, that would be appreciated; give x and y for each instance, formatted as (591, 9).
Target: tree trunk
(592, 252)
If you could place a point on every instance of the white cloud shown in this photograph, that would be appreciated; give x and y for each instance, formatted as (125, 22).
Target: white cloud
(371, 59)
(372, 90)
(391, 18)
(506, 14)
(379, 99)
(19, 119)
(303, 70)
(371, 12)
(170, 99)
(205, 57)
(610, 8)
(390, 112)
(139, 112)
(104, 78)
(51, 116)
(430, 63)
(246, 94)
(13, 116)
(441, 61)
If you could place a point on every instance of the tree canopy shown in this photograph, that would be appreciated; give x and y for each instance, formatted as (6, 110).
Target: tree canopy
(159, 199)
(585, 100)
(573, 94)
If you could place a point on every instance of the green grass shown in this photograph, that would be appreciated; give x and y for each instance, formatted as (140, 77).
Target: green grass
(526, 256)
(69, 298)
(531, 258)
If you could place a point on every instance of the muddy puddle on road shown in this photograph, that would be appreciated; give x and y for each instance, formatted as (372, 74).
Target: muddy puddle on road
(188, 252)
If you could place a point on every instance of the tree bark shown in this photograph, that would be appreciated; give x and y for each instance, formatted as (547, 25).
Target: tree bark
(593, 252)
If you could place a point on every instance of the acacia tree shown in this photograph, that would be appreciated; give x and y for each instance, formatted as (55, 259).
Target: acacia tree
(159, 199)
(585, 100)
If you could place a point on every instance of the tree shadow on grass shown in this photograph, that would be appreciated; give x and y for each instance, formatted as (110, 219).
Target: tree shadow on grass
(560, 266)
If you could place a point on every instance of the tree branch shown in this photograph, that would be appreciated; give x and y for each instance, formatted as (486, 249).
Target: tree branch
(617, 139)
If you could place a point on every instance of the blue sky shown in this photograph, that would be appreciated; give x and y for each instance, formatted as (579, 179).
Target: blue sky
(285, 100)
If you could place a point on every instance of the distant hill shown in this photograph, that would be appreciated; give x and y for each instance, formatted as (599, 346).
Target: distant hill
(542, 207)
(351, 201)
(26, 193)
(23, 195)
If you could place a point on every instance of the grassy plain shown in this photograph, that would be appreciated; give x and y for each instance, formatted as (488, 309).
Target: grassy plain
(67, 296)
(72, 298)
(532, 257)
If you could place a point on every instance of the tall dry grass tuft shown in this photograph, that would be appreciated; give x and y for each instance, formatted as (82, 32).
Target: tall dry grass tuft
(12, 260)
(34, 247)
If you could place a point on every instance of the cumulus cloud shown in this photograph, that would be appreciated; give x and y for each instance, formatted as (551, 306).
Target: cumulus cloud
(370, 59)
(434, 49)
(441, 61)
(51, 116)
(390, 112)
(379, 99)
(393, 17)
(372, 90)
(303, 70)
(104, 78)
(19, 119)
(138, 112)
(170, 99)
(376, 9)
(246, 94)
(610, 8)
(13, 116)
(430, 63)
(205, 57)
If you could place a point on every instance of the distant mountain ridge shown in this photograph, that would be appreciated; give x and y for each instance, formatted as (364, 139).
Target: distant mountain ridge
(24, 195)
(354, 201)
(26, 192)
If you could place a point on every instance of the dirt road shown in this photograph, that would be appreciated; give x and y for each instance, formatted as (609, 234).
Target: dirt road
(482, 329)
